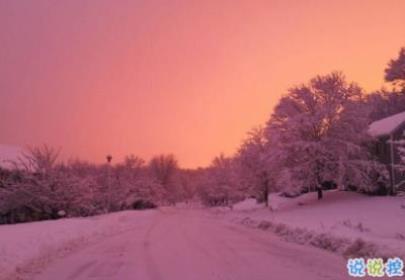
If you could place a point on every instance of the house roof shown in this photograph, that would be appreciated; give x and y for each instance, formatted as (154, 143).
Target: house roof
(387, 125)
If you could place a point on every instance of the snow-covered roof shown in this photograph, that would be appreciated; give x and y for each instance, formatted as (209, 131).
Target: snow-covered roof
(8, 153)
(387, 125)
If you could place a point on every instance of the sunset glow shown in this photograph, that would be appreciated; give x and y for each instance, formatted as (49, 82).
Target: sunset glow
(182, 77)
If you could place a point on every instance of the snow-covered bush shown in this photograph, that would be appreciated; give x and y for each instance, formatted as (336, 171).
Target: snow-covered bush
(41, 188)
(361, 248)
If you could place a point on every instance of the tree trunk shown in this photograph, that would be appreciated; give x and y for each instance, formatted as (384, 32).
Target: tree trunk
(266, 193)
(319, 181)
(320, 193)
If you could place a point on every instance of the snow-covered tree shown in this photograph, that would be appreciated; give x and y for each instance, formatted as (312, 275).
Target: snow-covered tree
(220, 184)
(395, 72)
(256, 171)
(320, 130)
(188, 184)
(164, 169)
(39, 159)
(385, 103)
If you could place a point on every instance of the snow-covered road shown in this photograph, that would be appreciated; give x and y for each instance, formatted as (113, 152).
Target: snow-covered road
(193, 245)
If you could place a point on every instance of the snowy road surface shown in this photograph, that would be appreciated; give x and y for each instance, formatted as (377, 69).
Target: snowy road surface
(193, 245)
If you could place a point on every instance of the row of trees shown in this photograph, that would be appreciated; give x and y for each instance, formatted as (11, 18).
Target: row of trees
(316, 138)
(39, 187)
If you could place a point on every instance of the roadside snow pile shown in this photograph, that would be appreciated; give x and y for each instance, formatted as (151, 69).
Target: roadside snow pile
(22, 245)
(344, 222)
(247, 204)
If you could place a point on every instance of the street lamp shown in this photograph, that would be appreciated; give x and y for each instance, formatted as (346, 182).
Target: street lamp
(109, 194)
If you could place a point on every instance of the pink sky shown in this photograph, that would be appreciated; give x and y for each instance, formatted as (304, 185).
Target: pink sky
(186, 77)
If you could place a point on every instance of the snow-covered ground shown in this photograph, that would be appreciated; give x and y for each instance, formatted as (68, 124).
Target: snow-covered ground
(32, 245)
(377, 220)
(170, 243)
(192, 243)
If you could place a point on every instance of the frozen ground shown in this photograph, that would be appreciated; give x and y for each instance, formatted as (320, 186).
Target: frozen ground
(170, 243)
(377, 220)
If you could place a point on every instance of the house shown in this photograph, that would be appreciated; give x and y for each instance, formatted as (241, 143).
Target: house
(387, 132)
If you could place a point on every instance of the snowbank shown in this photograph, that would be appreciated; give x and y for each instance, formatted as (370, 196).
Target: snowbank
(378, 221)
(247, 204)
(22, 244)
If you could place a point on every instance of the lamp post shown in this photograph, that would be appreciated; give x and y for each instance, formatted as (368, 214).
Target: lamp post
(109, 159)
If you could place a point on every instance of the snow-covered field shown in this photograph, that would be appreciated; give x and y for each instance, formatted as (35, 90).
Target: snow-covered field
(379, 221)
(32, 245)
